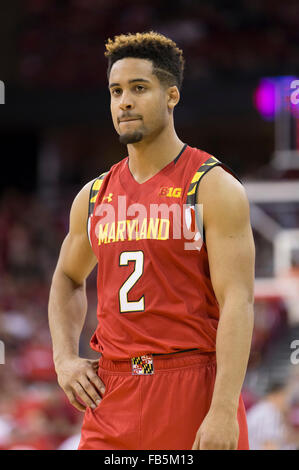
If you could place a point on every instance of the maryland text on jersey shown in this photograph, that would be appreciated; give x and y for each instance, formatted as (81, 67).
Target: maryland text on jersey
(158, 222)
(155, 229)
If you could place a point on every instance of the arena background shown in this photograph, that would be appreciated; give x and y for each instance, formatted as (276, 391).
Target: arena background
(238, 102)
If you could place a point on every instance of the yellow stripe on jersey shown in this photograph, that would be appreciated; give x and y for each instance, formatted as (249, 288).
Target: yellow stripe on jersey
(211, 161)
(198, 175)
(93, 199)
(97, 184)
(95, 191)
(192, 191)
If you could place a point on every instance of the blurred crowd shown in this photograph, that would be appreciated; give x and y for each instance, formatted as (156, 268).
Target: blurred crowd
(273, 421)
(34, 412)
(230, 38)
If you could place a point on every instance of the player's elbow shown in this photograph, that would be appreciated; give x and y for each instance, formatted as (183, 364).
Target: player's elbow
(61, 277)
(237, 298)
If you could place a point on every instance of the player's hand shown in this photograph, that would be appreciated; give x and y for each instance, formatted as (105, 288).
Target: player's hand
(218, 431)
(79, 380)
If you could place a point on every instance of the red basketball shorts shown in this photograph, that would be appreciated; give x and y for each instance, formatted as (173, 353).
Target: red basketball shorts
(153, 412)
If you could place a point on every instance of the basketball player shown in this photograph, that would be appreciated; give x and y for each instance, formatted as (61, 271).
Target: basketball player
(175, 312)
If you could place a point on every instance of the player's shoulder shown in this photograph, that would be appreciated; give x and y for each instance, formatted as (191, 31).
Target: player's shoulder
(220, 184)
(84, 199)
(212, 172)
(223, 198)
(81, 202)
(79, 208)
(219, 178)
(220, 187)
(199, 156)
(95, 182)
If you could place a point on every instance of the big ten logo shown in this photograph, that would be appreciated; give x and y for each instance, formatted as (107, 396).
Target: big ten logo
(2, 353)
(295, 354)
(170, 192)
(294, 97)
(2, 93)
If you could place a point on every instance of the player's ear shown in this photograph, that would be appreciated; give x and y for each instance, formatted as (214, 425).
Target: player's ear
(173, 97)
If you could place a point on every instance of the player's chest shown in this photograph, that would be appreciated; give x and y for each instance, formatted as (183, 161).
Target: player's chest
(137, 218)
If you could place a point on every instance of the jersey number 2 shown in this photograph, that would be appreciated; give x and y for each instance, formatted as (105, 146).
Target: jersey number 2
(126, 305)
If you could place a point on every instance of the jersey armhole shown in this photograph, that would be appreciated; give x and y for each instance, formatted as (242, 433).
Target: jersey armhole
(193, 189)
(93, 193)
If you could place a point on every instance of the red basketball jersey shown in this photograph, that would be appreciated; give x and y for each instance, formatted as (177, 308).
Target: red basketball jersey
(154, 289)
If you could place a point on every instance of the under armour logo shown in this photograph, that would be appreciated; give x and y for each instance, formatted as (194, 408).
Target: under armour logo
(109, 197)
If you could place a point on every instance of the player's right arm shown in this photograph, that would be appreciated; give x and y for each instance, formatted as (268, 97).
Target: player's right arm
(67, 310)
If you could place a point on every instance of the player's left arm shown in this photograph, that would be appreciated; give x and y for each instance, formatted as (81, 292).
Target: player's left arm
(231, 254)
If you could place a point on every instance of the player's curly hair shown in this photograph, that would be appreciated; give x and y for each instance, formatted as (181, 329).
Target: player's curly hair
(167, 58)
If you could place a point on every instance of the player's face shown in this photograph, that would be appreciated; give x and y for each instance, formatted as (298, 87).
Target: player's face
(138, 101)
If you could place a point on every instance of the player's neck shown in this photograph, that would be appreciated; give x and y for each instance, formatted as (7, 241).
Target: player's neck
(148, 158)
